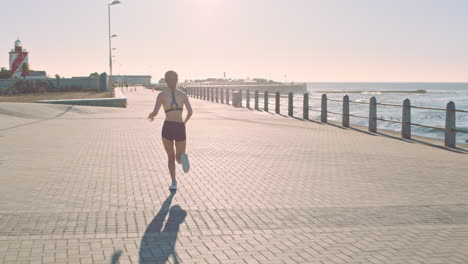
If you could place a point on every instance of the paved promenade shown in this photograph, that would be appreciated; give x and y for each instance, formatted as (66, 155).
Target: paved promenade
(83, 184)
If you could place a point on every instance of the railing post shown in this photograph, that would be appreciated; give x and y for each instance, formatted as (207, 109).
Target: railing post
(222, 95)
(345, 118)
(277, 102)
(247, 98)
(373, 114)
(265, 102)
(450, 126)
(256, 100)
(290, 104)
(227, 96)
(406, 120)
(305, 107)
(240, 97)
(324, 112)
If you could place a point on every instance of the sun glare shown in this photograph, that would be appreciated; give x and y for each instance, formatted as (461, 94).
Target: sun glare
(207, 7)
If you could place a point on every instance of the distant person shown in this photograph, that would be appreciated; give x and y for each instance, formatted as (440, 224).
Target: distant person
(173, 130)
(126, 86)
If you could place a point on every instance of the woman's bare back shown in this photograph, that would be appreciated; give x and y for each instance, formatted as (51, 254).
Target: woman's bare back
(169, 103)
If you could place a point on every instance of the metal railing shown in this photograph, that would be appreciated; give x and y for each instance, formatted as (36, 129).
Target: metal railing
(450, 129)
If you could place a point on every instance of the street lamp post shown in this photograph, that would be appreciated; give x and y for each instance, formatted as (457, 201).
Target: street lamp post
(111, 36)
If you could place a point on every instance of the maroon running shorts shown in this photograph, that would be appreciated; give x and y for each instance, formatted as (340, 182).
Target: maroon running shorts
(173, 131)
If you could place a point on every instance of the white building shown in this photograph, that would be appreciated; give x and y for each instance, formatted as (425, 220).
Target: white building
(134, 79)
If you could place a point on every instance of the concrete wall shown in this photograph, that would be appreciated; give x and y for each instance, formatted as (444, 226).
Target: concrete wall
(57, 85)
(75, 82)
(5, 84)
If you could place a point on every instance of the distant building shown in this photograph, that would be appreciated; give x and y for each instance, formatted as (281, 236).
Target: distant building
(37, 74)
(18, 56)
(134, 79)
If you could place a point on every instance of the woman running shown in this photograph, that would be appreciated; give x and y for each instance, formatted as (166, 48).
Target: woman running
(173, 131)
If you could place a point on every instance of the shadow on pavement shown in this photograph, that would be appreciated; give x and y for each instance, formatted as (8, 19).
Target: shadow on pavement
(158, 244)
(116, 256)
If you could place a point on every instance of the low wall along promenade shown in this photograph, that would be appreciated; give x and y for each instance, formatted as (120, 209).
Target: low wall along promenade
(77, 83)
(119, 100)
(5, 84)
(63, 84)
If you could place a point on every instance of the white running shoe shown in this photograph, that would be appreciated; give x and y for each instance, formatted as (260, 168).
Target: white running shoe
(173, 186)
(185, 162)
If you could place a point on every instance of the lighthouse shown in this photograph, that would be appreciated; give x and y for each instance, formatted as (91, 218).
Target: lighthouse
(18, 56)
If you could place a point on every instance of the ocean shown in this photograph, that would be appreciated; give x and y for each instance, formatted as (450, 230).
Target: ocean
(435, 95)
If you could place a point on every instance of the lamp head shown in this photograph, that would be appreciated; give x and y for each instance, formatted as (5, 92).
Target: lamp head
(116, 2)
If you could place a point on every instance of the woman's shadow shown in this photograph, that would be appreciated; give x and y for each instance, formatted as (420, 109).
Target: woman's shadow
(158, 244)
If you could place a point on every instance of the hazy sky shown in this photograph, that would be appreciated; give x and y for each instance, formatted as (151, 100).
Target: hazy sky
(308, 40)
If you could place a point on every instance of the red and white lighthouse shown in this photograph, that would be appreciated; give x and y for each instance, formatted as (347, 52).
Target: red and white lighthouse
(18, 57)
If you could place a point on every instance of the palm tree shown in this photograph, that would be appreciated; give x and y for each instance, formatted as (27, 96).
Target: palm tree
(25, 70)
(94, 74)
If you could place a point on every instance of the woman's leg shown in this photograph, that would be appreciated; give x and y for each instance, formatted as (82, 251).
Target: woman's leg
(180, 149)
(169, 147)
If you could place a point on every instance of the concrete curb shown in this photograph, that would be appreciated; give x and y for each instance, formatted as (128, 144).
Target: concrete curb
(119, 101)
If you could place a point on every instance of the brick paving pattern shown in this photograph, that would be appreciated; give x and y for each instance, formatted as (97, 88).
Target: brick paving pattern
(90, 185)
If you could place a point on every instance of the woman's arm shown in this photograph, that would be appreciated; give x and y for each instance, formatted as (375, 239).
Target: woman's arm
(153, 114)
(189, 109)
